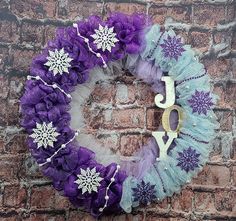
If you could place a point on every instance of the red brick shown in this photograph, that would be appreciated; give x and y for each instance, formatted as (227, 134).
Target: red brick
(94, 118)
(110, 141)
(61, 202)
(219, 37)
(4, 87)
(162, 204)
(4, 57)
(74, 10)
(127, 8)
(44, 217)
(17, 144)
(9, 31)
(233, 153)
(13, 115)
(234, 40)
(154, 116)
(75, 215)
(22, 59)
(225, 200)
(10, 168)
(230, 94)
(103, 93)
(49, 33)
(3, 113)
(34, 8)
(226, 94)
(13, 218)
(230, 12)
(213, 175)
(208, 15)
(15, 196)
(234, 175)
(226, 120)
(2, 145)
(233, 65)
(200, 40)
(129, 144)
(42, 197)
(146, 95)
(182, 201)
(128, 118)
(179, 14)
(32, 33)
(217, 68)
(203, 202)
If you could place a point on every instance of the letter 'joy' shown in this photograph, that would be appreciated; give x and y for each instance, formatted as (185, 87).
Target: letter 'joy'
(169, 107)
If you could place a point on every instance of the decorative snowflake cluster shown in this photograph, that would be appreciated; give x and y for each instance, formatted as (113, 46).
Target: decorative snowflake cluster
(58, 61)
(201, 102)
(44, 135)
(144, 193)
(88, 180)
(105, 38)
(188, 159)
(172, 47)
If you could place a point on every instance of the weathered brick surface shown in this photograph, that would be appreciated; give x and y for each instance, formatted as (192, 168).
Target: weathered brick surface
(123, 115)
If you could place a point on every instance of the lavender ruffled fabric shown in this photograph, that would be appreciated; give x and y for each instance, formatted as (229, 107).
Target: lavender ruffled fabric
(41, 103)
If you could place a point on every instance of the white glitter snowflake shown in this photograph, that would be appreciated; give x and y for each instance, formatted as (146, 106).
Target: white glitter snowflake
(44, 135)
(58, 61)
(88, 180)
(105, 38)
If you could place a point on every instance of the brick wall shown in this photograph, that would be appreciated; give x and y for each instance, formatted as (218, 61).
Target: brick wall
(25, 27)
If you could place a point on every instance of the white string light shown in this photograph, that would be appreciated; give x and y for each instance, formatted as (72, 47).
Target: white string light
(48, 160)
(108, 187)
(86, 40)
(49, 85)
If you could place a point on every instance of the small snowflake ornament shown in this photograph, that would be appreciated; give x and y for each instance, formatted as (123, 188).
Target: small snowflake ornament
(172, 47)
(105, 38)
(188, 159)
(144, 193)
(44, 135)
(88, 180)
(201, 102)
(58, 61)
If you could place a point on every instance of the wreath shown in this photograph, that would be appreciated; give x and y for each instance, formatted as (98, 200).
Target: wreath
(92, 177)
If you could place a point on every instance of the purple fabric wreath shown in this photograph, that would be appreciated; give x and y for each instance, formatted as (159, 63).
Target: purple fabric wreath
(42, 103)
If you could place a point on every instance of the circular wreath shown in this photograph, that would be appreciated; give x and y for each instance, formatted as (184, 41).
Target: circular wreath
(92, 177)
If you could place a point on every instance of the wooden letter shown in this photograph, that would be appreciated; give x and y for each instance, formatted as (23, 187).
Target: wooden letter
(163, 147)
(170, 94)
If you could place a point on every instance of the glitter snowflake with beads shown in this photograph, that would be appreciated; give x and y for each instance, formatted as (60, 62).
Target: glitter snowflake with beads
(144, 193)
(44, 135)
(58, 61)
(105, 38)
(172, 47)
(201, 102)
(88, 180)
(188, 159)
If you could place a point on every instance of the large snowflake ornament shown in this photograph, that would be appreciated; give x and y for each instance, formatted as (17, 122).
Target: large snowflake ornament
(58, 61)
(172, 47)
(188, 159)
(144, 193)
(88, 180)
(44, 135)
(105, 38)
(201, 102)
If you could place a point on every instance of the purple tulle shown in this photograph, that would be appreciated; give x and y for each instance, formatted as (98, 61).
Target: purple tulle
(41, 103)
